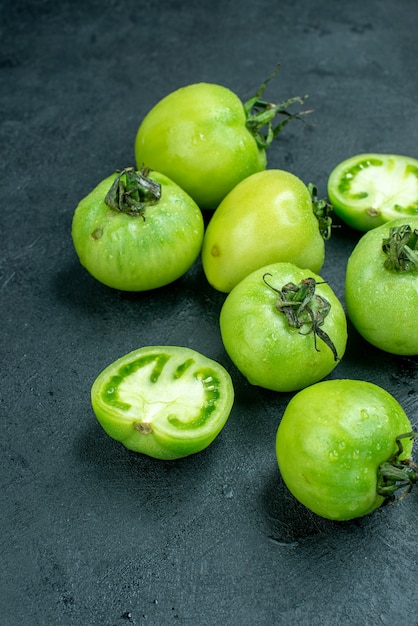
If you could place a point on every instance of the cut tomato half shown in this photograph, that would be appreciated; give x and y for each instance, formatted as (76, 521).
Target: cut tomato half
(368, 190)
(164, 401)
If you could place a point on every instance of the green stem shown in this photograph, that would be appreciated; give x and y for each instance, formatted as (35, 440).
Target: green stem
(401, 249)
(132, 191)
(303, 307)
(395, 474)
(322, 210)
(260, 114)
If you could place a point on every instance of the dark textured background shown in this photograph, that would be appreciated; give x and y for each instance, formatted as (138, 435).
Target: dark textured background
(92, 534)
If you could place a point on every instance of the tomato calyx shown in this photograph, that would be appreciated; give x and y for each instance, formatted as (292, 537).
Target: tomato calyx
(395, 474)
(132, 191)
(322, 210)
(401, 249)
(302, 306)
(261, 113)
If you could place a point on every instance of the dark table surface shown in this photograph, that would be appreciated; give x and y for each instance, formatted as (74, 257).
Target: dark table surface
(92, 534)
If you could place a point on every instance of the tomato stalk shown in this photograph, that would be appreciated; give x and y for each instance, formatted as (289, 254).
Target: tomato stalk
(132, 191)
(401, 249)
(322, 210)
(302, 306)
(396, 474)
(261, 113)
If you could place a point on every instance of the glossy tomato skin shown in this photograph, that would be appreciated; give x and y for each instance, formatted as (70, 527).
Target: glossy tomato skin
(382, 304)
(167, 402)
(260, 342)
(266, 218)
(368, 190)
(197, 137)
(330, 442)
(141, 252)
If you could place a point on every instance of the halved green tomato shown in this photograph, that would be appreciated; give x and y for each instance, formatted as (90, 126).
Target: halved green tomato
(164, 401)
(368, 190)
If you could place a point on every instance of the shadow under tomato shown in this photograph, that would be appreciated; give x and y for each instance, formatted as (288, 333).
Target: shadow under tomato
(79, 292)
(288, 521)
(151, 482)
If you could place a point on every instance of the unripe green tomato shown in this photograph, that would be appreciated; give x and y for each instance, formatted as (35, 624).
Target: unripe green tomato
(259, 337)
(197, 136)
(266, 218)
(142, 251)
(331, 441)
(382, 303)
(367, 190)
(163, 401)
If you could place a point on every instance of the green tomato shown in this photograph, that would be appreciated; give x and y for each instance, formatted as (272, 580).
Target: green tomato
(206, 140)
(163, 401)
(368, 190)
(267, 218)
(283, 327)
(136, 232)
(336, 443)
(381, 286)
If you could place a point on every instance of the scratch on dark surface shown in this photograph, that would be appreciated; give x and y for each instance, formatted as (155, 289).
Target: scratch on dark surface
(21, 253)
(24, 251)
(286, 544)
(7, 280)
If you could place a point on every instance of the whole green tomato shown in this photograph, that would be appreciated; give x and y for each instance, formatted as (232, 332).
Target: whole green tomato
(381, 286)
(283, 327)
(137, 231)
(338, 450)
(267, 218)
(368, 190)
(163, 401)
(206, 140)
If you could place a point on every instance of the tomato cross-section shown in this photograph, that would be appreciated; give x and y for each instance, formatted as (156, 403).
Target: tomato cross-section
(368, 190)
(163, 401)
